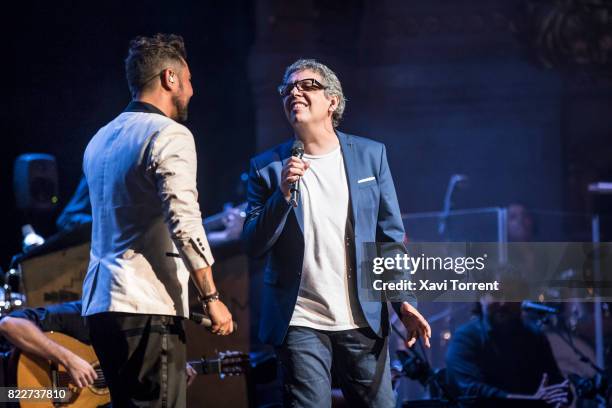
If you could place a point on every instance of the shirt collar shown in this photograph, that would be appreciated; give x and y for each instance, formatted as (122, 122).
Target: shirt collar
(139, 106)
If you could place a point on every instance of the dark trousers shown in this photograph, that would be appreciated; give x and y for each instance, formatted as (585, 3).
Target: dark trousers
(143, 358)
(357, 360)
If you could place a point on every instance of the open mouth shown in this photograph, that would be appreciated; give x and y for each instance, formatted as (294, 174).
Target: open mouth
(298, 105)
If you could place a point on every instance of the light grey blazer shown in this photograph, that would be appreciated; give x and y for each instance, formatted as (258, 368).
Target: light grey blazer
(147, 232)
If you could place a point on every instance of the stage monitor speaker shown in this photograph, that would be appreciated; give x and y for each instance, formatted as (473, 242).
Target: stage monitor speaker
(35, 182)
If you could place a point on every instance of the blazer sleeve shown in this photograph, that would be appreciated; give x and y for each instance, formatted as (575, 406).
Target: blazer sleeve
(173, 161)
(267, 212)
(389, 226)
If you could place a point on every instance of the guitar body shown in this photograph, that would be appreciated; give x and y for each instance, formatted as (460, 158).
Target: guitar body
(35, 372)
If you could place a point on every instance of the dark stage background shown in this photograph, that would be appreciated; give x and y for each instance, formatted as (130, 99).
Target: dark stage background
(450, 87)
(67, 80)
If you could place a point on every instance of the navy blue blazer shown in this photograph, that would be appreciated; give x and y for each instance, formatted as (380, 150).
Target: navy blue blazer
(271, 228)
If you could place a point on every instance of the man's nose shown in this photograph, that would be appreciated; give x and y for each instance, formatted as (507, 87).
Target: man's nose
(295, 91)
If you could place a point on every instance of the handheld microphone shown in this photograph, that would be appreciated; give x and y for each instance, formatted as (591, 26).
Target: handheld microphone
(297, 150)
(205, 321)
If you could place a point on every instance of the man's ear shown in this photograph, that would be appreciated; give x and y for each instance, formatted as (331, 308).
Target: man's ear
(333, 103)
(169, 79)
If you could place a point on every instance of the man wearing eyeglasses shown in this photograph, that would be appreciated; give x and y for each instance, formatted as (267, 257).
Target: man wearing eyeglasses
(147, 234)
(311, 309)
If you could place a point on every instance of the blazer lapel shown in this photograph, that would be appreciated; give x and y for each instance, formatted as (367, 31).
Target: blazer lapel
(350, 164)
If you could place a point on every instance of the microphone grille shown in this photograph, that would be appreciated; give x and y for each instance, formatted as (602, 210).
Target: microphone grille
(298, 148)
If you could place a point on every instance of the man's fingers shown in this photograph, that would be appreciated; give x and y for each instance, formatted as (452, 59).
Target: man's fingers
(411, 342)
(555, 398)
(91, 374)
(544, 380)
(557, 393)
(560, 400)
(228, 328)
(426, 332)
(295, 162)
(408, 309)
(554, 393)
(412, 318)
(554, 387)
(191, 374)
(426, 340)
(295, 171)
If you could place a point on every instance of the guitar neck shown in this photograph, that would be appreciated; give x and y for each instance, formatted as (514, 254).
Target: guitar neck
(202, 366)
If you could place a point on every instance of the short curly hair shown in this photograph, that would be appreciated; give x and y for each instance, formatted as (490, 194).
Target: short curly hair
(330, 80)
(148, 56)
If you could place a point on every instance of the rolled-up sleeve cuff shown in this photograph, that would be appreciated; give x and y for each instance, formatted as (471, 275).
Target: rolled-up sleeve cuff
(196, 254)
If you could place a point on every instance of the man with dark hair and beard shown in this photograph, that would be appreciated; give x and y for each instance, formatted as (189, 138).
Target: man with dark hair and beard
(147, 233)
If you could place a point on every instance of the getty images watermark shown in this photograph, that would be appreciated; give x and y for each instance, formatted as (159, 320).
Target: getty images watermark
(413, 264)
(550, 271)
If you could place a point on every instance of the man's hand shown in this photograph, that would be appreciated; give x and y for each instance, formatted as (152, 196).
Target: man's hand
(221, 318)
(291, 173)
(82, 373)
(556, 395)
(191, 374)
(416, 325)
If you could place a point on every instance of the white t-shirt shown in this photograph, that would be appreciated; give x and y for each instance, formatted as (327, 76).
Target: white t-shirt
(327, 296)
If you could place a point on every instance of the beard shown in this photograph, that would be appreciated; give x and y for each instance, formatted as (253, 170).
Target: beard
(181, 109)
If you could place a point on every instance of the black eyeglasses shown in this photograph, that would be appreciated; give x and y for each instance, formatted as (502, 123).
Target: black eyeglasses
(306, 85)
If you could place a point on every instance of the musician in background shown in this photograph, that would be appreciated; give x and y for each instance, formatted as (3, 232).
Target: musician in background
(78, 210)
(498, 355)
(25, 329)
(521, 225)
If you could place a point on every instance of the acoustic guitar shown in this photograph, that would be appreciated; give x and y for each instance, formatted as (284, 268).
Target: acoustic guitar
(32, 372)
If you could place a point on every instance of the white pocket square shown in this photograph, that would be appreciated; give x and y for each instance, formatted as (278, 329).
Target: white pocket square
(363, 180)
